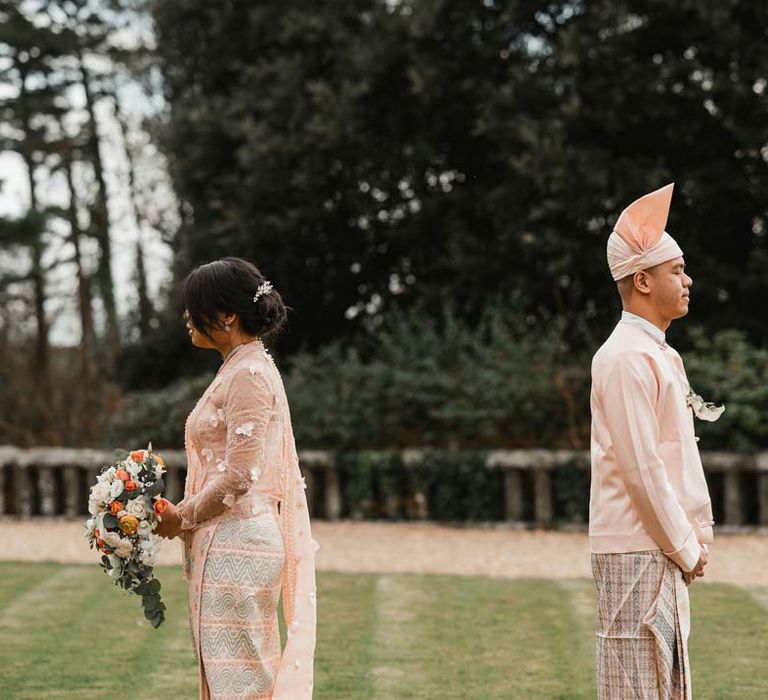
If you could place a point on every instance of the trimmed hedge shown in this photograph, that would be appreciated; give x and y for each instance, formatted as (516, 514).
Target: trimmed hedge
(433, 382)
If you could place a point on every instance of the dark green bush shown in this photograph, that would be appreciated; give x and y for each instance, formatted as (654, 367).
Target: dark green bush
(437, 382)
(434, 382)
(157, 416)
(726, 368)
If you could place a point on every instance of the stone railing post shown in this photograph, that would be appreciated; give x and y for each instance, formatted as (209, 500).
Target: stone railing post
(513, 495)
(332, 494)
(761, 464)
(3, 505)
(417, 502)
(320, 459)
(542, 498)
(46, 482)
(22, 491)
(72, 495)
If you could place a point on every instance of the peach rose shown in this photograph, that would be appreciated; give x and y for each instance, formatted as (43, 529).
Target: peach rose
(161, 505)
(123, 475)
(137, 456)
(115, 507)
(129, 524)
(131, 486)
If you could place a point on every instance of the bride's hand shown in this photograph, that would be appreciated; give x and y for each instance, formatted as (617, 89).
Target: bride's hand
(170, 522)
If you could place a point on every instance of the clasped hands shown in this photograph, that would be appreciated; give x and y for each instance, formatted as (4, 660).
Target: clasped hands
(690, 576)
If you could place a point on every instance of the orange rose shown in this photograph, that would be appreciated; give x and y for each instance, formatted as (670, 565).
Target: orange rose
(129, 524)
(115, 507)
(131, 486)
(137, 456)
(123, 475)
(161, 505)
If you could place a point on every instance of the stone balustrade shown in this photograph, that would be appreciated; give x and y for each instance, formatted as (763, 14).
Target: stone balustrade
(54, 481)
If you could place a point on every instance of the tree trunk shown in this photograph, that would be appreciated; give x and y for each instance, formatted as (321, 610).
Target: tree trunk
(146, 311)
(100, 225)
(41, 370)
(83, 283)
(145, 305)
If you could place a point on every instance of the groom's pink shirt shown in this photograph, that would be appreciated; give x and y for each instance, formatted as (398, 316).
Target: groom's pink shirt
(648, 487)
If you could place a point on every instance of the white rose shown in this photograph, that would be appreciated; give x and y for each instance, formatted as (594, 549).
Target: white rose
(95, 507)
(116, 488)
(99, 494)
(145, 529)
(158, 471)
(106, 476)
(112, 539)
(137, 507)
(133, 468)
(100, 491)
(122, 547)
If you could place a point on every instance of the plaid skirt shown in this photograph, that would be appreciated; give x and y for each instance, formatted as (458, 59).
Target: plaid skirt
(643, 621)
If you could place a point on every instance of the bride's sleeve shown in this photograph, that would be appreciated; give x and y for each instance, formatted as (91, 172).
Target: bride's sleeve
(295, 675)
(247, 408)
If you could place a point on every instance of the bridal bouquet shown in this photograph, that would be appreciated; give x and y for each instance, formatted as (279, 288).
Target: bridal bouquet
(124, 505)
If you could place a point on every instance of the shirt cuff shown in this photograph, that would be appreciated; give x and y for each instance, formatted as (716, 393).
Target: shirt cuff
(688, 555)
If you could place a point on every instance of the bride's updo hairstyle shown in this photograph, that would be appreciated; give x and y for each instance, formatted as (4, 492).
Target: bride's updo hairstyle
(228, 285)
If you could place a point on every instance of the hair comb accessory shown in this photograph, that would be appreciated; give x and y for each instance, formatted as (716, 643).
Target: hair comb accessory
(264, 288)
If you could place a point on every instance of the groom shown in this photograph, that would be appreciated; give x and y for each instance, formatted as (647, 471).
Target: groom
(650, 513)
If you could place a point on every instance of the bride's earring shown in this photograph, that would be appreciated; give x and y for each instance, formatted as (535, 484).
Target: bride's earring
(227, 327)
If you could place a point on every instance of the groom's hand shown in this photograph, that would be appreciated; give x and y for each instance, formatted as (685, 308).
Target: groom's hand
(170, 523)
(698, 570)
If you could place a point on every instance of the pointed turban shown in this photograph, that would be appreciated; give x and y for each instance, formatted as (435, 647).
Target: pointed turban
(639, 240)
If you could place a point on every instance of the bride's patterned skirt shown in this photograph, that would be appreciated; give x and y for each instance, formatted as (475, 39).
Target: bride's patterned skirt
(240, 590)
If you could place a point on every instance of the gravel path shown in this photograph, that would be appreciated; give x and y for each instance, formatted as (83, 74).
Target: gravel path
(424, 548)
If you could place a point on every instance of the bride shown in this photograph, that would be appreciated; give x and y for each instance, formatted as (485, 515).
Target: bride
(243, 518)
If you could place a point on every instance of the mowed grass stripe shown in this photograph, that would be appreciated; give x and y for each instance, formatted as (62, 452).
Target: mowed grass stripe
(19, 579)
(397, 663)
(345, 631)
(51, 655)
(459, 638)
(67, 632)
(728, 643)
(85, 638)
(166, 655)
(582, 601)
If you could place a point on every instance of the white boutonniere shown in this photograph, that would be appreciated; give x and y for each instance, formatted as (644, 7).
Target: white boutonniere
(704, 410)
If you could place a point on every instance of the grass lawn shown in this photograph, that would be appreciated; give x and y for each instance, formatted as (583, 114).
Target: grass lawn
(67, 632)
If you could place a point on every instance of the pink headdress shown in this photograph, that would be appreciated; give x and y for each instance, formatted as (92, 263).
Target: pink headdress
(639, 240)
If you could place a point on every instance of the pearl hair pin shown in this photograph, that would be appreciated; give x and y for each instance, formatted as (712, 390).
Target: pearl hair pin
(265, 288)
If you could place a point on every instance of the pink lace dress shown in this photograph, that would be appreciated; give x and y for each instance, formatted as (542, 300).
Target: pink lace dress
(247, 537)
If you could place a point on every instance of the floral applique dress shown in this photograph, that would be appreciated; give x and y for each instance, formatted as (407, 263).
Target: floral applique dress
(247, 537)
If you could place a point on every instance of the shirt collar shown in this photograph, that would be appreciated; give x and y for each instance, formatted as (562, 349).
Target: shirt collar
(654, 331)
